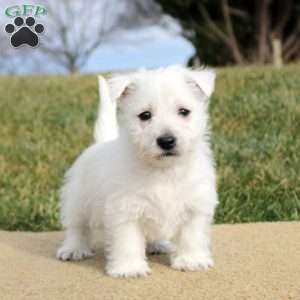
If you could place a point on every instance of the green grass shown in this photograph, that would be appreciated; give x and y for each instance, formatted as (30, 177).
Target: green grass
(47, 121)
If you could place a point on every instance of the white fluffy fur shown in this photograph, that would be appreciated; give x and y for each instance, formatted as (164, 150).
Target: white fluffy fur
(127, 189)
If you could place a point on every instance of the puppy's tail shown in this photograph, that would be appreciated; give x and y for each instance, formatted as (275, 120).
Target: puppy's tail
(106, 127)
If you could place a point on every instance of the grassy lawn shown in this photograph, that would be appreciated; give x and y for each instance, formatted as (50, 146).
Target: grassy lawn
(47, 121)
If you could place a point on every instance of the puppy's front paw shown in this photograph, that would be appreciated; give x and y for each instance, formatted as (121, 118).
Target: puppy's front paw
(192, 262)
(65, 253)
(128, 269)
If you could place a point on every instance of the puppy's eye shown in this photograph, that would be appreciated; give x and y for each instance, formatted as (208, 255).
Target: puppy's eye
(184, 112)
(145, 116)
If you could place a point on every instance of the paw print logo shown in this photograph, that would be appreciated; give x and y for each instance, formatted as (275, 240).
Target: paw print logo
(24, 33)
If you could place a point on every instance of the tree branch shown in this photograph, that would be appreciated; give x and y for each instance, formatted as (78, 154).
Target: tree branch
(293, 50)
(212, 25)
(232, 38)
(292, 38)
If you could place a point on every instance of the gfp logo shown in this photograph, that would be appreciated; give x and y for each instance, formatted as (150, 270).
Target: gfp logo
(24, 30)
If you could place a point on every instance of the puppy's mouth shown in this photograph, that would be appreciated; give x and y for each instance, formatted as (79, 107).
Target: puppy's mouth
(168, 154)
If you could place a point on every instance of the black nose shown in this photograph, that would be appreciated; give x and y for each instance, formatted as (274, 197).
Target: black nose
(166, 142)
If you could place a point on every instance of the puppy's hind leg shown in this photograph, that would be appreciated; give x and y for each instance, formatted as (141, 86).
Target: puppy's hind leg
(75, 245)
(73, 216)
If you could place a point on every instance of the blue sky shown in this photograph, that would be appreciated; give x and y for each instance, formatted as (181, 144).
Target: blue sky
(148, 54)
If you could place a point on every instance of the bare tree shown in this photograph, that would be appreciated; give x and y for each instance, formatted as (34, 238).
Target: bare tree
(74, 29)
(77, 28)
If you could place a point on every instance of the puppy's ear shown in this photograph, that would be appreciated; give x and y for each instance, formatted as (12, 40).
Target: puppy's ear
(203, 79)
(120, 86)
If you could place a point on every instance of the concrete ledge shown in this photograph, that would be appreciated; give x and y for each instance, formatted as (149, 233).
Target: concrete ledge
(252, 261)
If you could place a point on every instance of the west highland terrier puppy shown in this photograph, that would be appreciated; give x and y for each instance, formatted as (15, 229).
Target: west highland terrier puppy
(148, 182)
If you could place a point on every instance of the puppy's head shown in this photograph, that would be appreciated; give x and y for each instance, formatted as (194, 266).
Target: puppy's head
(163, 113)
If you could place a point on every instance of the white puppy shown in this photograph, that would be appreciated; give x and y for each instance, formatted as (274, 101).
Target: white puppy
(149, 178)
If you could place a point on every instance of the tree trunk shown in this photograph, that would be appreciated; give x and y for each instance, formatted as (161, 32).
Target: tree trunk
(263, 49)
